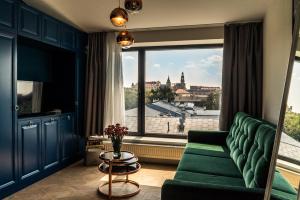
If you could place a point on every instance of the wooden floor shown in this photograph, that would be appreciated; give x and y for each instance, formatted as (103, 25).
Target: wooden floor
(79, 182)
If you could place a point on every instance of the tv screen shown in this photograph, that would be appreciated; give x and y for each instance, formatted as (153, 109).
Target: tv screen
(29, 97)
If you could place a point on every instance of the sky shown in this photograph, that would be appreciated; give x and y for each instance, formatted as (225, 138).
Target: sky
(294, 95)
(200, 66)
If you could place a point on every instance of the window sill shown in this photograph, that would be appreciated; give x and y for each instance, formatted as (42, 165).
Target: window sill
(288, 165)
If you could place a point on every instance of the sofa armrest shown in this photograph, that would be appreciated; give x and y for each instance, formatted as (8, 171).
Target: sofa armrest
(208, 137)
(178, 190)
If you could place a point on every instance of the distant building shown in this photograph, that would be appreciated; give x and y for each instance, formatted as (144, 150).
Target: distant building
(168, 83)
(152, 85)
(180, 85)
(204, 90)
(182, 92)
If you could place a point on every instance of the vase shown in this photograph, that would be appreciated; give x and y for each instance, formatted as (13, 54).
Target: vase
(117, 144)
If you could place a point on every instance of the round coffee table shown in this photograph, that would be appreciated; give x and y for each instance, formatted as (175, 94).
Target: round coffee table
(126, 164)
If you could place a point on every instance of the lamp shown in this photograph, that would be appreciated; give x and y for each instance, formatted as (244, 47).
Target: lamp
(125, 39)
(133, 6)
(119, 16)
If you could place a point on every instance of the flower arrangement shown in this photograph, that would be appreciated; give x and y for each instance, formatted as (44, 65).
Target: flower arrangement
(116, 133)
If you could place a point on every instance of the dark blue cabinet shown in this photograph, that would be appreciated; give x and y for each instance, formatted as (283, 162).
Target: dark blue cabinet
(29, 149)
(8, 170)
(8, 15)
(30, 22)
(51, 30)
(81, 42)
(68, 137)
(50, 142)
(80, 89)
(68, 37)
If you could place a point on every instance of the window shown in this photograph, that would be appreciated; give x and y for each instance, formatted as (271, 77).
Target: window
(173, 89)
(130, 77)
(290, 140)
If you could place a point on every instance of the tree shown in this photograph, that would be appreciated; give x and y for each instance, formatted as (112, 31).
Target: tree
(292, 124)
(131, 98)
(212, 102)
(162, 93)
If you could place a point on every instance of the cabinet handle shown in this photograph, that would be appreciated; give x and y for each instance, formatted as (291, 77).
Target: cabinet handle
(30, 125)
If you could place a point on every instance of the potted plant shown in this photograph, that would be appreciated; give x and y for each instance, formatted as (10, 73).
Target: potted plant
(116, 133)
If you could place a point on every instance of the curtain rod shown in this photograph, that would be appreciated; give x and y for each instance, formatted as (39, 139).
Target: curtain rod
(243, 22)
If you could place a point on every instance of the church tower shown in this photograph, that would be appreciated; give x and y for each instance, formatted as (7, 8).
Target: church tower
(182, 81)
(168, 84)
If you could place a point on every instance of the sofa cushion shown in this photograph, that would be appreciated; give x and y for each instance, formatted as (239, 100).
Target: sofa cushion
(209, 178)
(242, 141)
(280, 195)
(207, 150)
(281, 184)
(256, 169)
(208, 165)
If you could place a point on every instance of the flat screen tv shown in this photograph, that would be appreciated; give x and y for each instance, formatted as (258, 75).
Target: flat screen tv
(29, 97)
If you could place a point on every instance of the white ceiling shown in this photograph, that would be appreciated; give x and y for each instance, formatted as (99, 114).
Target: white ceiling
(93, 15)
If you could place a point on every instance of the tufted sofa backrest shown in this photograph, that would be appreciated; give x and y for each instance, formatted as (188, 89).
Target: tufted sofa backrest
(235, 127)
(243, 141)
(255, 172)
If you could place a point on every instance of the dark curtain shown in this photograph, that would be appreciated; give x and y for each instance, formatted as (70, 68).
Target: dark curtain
(242, 71)
(95, 84)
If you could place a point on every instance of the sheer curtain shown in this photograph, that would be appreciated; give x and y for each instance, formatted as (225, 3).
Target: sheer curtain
(114, 107)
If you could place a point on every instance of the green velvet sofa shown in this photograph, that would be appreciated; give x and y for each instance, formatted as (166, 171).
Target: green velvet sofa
(227, 165)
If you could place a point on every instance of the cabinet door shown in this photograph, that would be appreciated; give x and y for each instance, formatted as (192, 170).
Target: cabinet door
(8, 15)
(50, 142)
(29, 22)
(68, 37)
(81, 41)
(80, 81)
(51, 31)
(29, 148)
(67, 137)
(8, 170)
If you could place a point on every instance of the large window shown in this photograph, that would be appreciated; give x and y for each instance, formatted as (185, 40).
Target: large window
(169, 91)
(290, 140)
(130, 77)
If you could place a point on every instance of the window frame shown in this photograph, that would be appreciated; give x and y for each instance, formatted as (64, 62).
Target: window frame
(141, 83)
(285, 158)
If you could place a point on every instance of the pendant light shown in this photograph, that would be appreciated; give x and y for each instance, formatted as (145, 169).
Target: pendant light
(133, 6)
(125, 39)
(119, 16)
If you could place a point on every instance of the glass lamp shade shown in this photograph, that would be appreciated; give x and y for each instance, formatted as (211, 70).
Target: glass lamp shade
(133, 6)
(119, 17)
(125, 39)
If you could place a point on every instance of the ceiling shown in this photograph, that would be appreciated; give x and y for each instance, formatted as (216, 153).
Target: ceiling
(93, 15)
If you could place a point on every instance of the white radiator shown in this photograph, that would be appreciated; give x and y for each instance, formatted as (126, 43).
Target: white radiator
(151, 151)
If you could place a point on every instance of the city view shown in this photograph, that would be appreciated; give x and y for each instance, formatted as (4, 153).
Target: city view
(290, 141)
(177, 100)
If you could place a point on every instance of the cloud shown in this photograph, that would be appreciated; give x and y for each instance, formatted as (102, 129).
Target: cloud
(156, 65)
(215, 58)
(190, 64)
(129, 58)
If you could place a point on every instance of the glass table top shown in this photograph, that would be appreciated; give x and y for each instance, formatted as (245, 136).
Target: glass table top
(109, 156)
